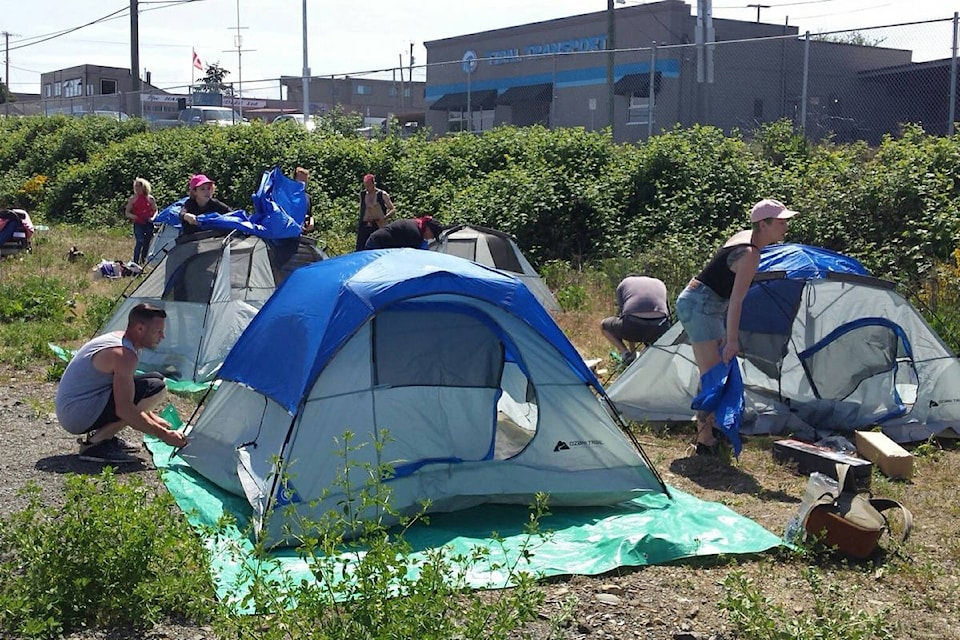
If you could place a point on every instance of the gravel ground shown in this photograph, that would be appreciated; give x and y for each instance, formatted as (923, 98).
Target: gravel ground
(918, 583)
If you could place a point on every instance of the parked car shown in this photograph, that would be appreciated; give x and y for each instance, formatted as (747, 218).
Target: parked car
(213, 116)
(298, 118)
(113, 115)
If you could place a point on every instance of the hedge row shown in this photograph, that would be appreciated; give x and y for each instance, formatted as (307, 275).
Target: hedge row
(567, 194)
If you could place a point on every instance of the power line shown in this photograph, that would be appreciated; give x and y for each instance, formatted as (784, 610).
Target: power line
(46, 38)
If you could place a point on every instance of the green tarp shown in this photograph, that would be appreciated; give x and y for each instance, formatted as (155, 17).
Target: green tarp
(656, 529)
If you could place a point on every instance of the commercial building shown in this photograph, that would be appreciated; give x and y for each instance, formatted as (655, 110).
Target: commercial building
(376, 99)
(668, 67)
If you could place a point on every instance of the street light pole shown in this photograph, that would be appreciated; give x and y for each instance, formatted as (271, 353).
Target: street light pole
(306, 70)
(611, 45)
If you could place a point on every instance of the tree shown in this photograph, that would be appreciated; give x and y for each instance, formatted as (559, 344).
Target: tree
(212, 81)
(852, 37)
(5, 94)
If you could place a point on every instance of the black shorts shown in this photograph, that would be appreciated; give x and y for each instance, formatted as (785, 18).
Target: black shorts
(634, 329)
(145, 385)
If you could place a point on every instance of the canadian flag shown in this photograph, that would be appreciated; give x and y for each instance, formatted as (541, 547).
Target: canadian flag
(196, 61)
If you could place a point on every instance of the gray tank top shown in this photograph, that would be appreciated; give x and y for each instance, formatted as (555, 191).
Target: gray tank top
(83, 391)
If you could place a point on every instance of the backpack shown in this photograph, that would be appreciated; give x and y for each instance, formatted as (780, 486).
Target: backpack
(852, 522)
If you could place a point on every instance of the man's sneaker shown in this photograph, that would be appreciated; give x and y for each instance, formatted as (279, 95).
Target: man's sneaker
(105, 451)
(124, 445)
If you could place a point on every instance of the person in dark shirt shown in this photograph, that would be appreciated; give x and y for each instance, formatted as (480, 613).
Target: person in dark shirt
(710, 306)
(414, 233)
(301, 174)
(201, 201)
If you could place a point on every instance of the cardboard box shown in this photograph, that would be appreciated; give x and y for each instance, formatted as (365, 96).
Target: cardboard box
(809, 458)
(893, 460)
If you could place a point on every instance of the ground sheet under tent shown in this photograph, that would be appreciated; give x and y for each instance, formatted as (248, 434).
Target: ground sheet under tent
(655, 529)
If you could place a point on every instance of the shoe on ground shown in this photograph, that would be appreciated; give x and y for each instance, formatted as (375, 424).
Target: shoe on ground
(628, 358)
(105, 451)
(124, 445)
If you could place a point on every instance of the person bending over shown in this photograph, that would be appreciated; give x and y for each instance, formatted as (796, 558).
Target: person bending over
(642, 315)
(412, 234)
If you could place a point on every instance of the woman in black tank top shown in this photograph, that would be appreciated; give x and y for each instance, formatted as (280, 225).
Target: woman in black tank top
(716, 294)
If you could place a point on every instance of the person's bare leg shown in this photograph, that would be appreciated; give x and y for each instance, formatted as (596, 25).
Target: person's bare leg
(707, 355)
(615, 341)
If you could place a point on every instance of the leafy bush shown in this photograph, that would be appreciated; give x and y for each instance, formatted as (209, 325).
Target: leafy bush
(112, 554)
(34, 298)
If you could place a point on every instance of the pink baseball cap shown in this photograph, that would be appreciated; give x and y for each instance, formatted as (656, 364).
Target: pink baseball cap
(198, 180)
(770, 209)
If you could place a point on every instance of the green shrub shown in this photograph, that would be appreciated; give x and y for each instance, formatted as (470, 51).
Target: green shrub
(33, 298)
(112, 554)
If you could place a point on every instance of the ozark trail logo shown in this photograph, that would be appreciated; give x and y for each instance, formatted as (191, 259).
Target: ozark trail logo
(286, 495)
(565, 446)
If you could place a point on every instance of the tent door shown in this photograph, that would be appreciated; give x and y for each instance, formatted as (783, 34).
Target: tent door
(868, 359)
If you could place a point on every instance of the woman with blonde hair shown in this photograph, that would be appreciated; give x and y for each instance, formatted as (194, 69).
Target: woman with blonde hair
(141, 209)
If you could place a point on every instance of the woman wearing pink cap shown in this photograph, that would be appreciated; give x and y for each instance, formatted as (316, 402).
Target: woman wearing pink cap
(201, 201)
(709, 308)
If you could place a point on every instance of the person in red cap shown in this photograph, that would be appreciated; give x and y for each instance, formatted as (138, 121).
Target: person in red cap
(375, 209)
(710, 306)
(415, 233)
(201, 201)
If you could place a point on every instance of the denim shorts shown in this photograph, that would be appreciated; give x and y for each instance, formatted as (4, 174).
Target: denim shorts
(702, 312)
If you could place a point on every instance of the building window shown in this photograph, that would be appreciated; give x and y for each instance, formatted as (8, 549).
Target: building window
(73, 88)
(467, 121)
(56, 89)
(363, 90)
(89, 89)
(108, 87)
(46, 90)
(394, 92)
(639, 110)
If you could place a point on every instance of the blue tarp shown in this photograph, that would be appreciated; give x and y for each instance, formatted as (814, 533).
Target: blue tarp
(170, 214)
(722, 394)
(279, 209)
(803, 262)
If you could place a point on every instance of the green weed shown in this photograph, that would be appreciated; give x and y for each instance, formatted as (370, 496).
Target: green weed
(366, 585)
(112, 554)
(835, 616)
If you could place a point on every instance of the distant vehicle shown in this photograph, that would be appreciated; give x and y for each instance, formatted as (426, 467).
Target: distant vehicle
(115, 115)
(298, 118)
(211, 116)
(202, 116)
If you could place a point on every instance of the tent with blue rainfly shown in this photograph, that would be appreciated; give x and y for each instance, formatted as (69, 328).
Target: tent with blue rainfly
(167, 229)
(825, 347)
(212, 283)
(483, 397)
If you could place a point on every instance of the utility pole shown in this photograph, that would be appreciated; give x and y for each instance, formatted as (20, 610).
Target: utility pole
(134, 104)
(306, 70)
(6, 70)
(410, 75)
(238, 44)
(759, 6)
(611, 45)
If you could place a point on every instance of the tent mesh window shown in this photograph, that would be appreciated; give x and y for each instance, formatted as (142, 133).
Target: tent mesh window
(836, 369)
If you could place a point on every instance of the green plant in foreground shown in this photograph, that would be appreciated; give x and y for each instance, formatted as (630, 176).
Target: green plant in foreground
(368, 585)
(113, 554)
(835, 616)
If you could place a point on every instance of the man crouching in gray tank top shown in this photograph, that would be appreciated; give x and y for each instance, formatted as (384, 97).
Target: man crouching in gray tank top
(100, 392)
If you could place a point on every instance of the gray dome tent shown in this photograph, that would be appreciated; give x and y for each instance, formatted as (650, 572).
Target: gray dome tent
(824, 347)
(495, 249)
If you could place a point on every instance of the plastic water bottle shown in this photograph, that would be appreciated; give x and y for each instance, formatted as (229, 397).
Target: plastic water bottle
(818, 485)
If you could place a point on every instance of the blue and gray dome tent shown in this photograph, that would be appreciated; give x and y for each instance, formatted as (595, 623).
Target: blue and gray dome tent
(484, 398)
(824, 347)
